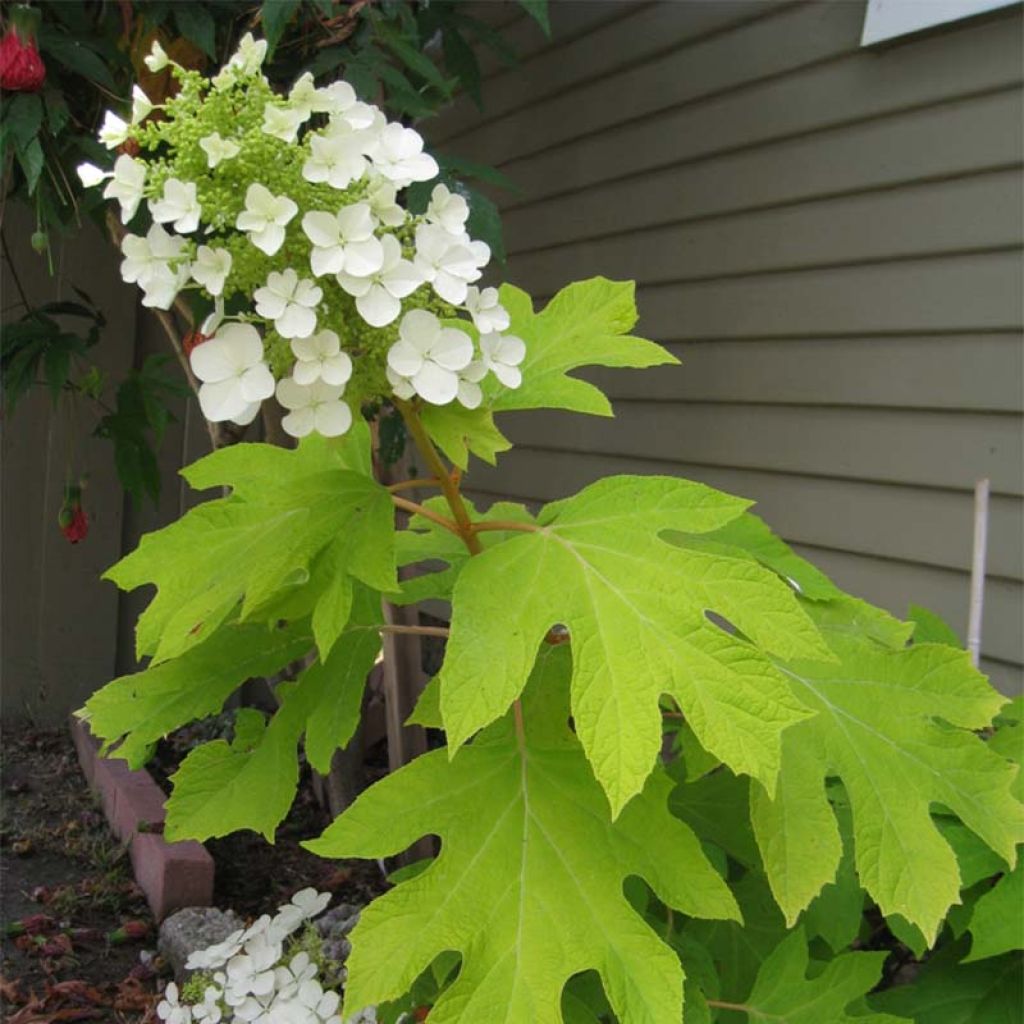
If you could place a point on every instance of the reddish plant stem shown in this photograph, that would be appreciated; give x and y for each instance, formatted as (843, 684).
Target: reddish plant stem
(408, 485)
(422, 510)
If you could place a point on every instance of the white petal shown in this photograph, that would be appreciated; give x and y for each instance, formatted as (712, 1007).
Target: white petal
(299, 423)
(469, 394)
(306, 373)
(364, 258)
(354, 285)
(402, 279)
(336, 369)
(511, 350)
(420, 328)
(221, 400)
(378, 307)
(451, 289)
(296, 322)
(404, 359)
(269, 240)
(453, 350)
(327, 261)
(214, 360)
(510, 376)
(257, 383)
(243, 419)
(401, 386)
(435, 384)
(333, 419)
(321, 228)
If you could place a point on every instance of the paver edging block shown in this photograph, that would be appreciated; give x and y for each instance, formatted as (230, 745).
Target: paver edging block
(172, 875)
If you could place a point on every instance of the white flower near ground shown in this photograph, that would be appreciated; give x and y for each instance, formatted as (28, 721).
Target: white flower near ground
(290, 301)
(502, 354)
(156, 60)
(211, 268)
(428, 357)
(113, 131)
(282, 122)
(142, 107)
(217, 149)
(127, 184)
(338, 158)
(170, 1010)
(398, 155)
(178, 205)
(449, 264)
(90, 175)
(209, 1010)
(486, 310)
(448, 210)
(343, 241)
(148, 263)
(264, 217)
(378, 296)
(235, 379)
(382, 197)
(319, 408)
(319, 357)
(216, 955)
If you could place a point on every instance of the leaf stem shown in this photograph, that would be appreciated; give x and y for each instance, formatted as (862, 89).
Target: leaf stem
(408, 485)
(441, 631)
(449, 487)
(422, 510)
(740, 1007)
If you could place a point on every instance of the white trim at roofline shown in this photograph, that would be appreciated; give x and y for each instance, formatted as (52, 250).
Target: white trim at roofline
(889, 19)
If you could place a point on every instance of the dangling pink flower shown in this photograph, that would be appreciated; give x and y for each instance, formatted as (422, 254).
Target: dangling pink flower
(21, 67)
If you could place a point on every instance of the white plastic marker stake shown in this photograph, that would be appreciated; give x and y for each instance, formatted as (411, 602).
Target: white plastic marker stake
(981, 490)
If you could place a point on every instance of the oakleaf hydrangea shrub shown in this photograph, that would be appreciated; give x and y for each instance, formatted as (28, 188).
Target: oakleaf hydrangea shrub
(686, 776)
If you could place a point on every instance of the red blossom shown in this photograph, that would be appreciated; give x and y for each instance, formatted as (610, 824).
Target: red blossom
(21, 67)
(73, 521)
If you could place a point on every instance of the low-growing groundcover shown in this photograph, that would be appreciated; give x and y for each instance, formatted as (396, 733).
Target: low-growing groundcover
(837, 780)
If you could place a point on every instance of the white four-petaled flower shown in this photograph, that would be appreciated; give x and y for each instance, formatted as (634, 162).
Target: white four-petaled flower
(502, 354)
(319, 357)
(378, 295)
(290, 301)
(156, 264)
(487, 312)
(343, 241)
(398, 155)
(211, 268)
(282, 122)
(235, 378)
(127, 184)
(264, 217)
(427, 358)
(448, 210)
(113, 131)
(449, 264)
(178, 206)
(156, 60)
(142, 106)
(316, 407)
(217, 149)
(338, 158)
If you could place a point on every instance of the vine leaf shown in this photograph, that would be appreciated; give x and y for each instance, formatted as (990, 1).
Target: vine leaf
(635, 609)
(585, 324)
(286, 507)
(136, 710)
(529, 882)
(783, 992)
(877, 727)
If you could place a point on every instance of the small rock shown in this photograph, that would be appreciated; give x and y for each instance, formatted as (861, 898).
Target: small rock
(194, 928)
(334, 927)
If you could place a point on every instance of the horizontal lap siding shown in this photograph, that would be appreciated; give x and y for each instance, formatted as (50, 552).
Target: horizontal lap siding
(830, 241)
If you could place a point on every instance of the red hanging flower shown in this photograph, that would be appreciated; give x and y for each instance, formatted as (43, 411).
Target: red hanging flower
(73, 521)
(21, 67)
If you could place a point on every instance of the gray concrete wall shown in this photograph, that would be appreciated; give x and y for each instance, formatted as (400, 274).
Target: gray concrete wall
(830, 240)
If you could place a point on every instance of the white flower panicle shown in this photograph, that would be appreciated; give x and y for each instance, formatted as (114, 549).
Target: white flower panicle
(256, 977)
(285, 212)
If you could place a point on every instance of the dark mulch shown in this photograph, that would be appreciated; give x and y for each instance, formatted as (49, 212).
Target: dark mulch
(67, 881)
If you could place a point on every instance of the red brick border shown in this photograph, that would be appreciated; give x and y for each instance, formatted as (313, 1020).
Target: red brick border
(172, 875)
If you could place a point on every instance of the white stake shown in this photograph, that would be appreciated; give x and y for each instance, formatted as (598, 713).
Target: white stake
(981, 489)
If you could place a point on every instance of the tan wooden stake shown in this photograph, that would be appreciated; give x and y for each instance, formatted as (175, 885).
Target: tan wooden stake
(981, 494)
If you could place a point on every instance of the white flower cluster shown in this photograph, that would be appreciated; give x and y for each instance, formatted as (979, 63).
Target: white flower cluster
(253, 978)
(362, 244)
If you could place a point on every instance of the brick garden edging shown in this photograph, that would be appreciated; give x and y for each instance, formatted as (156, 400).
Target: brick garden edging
(172, 875)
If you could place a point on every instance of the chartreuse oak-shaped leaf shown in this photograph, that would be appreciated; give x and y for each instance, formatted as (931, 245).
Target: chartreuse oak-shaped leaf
(585, 324)
(287, 506)
(895, 726)
(528, 885)
(250, 783)
(997, 923)
(635, 609)
(136, 710)
(784, 993)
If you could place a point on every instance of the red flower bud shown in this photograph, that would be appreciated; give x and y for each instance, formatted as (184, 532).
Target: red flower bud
(21, 67)
(73, 522)
(192, 339)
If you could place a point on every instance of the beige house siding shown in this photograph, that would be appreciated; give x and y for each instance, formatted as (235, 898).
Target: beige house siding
(828, 237)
